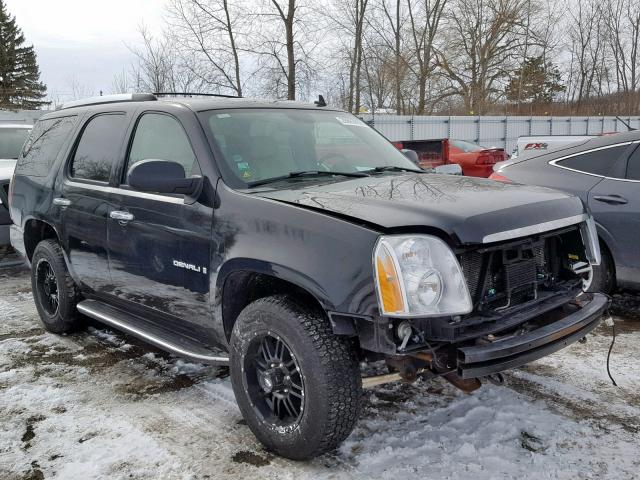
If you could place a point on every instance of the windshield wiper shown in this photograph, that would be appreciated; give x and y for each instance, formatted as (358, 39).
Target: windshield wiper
(393, 168)
(306, 173)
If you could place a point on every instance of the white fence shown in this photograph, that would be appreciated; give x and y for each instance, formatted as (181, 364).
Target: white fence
(492, 131)
(20, 116)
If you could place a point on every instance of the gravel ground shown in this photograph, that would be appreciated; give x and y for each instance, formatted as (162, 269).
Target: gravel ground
(99, 404)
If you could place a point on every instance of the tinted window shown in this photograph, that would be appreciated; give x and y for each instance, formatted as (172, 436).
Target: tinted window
(633, 167)
(161, 137)
(99, 147)
(599, 162)
(43, 146)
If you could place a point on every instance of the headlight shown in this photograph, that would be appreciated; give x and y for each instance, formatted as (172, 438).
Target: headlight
(419, 276)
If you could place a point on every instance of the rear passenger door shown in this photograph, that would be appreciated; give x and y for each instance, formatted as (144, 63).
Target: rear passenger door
(615, 203)
(159, 255)
(85, 198)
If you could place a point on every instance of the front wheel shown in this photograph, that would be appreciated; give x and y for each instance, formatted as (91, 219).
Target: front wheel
(297, 384)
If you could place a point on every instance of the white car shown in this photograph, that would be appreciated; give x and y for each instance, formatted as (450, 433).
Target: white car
(12, 137)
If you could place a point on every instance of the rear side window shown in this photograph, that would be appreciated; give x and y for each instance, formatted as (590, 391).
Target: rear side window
(633, 167)
(98, 150)
(161, 137)
(43, 146)
(599, 162)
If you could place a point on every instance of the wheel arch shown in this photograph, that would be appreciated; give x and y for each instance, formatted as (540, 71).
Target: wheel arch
(243, 281)
(36, 230)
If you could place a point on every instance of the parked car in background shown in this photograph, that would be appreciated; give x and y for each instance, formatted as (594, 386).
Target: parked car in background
(12, 137)
(475, 160)
(532, 146)
(605, 173)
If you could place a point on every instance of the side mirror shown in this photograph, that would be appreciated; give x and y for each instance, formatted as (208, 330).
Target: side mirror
(162, 176)
(411, 155)
(449, 169)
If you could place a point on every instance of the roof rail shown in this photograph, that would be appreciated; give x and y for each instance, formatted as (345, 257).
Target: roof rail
(117, 98)
(192, 94)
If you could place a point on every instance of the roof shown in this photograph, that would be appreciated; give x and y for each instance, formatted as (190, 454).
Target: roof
(192, 101)
(200, 104)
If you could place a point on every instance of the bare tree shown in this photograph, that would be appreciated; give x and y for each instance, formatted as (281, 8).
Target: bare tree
(586, 45)
(348, 17)
(207, 30)
(484, 38)
(425, 17)
(622, 18)
(159, 67)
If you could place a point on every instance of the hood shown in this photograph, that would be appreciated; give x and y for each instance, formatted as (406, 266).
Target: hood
(6, 169)
(466, 208)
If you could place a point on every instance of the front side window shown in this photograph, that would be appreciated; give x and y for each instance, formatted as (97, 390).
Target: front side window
(261, 144)
(598, 162)
(161, 137)
(98, 150)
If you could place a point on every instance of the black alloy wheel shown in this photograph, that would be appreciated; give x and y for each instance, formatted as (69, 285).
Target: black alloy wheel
(47, 287)
(273, 381)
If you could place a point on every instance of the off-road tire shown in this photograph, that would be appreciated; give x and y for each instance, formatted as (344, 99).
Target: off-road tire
(66, 318)
(328, 367)
(604, 275)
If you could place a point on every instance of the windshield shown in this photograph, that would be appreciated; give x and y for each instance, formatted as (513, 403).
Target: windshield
(262, 144)
(11, 141)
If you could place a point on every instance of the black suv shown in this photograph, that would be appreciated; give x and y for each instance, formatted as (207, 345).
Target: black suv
(300, 241)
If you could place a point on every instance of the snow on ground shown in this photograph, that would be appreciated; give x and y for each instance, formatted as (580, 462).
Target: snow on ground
(98, 404)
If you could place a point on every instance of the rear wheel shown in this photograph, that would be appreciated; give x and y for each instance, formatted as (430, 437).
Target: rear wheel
(54, 291)
(297, 384)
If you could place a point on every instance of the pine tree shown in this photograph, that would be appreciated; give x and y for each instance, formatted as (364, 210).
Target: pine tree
(20, 85)
(536, 82)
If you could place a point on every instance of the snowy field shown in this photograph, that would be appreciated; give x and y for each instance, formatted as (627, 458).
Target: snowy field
(98, 404)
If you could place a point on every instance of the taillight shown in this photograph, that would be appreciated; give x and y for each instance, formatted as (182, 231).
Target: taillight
(498, 177)
(398, 145)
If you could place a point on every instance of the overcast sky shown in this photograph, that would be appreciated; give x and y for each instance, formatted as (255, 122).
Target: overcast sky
(83, 40)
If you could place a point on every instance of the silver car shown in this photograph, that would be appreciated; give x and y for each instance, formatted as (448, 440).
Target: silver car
(605, 173)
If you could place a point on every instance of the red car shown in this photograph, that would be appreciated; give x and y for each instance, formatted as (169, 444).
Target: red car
(475, 160)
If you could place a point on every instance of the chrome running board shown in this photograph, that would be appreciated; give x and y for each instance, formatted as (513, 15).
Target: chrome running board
(122, 321)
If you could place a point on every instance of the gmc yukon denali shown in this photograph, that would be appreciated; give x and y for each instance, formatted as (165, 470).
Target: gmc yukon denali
(296, 245)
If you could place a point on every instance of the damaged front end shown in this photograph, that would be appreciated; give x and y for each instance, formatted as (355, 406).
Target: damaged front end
(527, 301)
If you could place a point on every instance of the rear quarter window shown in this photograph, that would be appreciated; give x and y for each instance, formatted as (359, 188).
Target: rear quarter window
(599, 162)
(43, 146)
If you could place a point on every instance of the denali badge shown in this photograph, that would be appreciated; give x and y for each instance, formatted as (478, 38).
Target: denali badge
(190, 266)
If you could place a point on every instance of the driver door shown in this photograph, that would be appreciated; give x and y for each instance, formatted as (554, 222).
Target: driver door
(159, 243)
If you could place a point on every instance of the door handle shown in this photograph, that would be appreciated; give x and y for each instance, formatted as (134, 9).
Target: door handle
(62, 202)
(122, 217)
(611, 199)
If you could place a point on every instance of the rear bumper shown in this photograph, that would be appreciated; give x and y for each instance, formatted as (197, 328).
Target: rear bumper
(480, 360)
